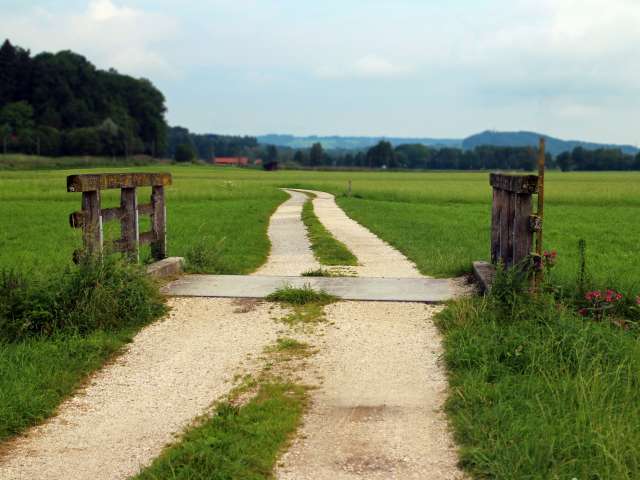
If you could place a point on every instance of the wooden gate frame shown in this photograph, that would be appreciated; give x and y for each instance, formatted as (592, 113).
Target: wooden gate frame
(92, 217)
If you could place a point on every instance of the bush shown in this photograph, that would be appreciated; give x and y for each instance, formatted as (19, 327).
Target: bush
(97, 294)
(184, 153)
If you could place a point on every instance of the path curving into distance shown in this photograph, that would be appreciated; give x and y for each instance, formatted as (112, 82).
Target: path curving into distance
(376, 257)
(291, 253)
(377, 411)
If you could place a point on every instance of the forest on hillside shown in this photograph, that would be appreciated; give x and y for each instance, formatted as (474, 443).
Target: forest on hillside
(61, 104)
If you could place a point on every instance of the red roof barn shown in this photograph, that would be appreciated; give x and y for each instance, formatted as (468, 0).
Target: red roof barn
(231, 161)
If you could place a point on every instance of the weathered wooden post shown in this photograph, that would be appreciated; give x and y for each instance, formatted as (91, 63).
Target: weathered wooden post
(92, 216)
(158, 222)
(511, 232)
(512, 222)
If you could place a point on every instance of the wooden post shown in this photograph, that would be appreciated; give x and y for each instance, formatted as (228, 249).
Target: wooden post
(539, 277)
(92, 222)
(349, 189)
(129, 222)
(159, 223)
(511, 234)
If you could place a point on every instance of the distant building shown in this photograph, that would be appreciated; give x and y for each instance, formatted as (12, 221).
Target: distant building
(236, 161)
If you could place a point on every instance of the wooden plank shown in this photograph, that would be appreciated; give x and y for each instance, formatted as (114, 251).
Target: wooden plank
(92, 222)
(504, 255)
(76, 219)
(114, 213)
(159, 223)
(129, 222)
(145, 209)
(147, 237)
(522, 236)
(514, 183)
(495, 226)
(104, 181)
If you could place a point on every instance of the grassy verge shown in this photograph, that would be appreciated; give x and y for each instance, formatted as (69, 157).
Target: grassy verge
(326, 248)
(236, 442)
(538, 392)
(54, 331)
(37, 374)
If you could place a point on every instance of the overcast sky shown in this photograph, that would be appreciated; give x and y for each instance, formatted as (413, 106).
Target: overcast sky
(570, 68)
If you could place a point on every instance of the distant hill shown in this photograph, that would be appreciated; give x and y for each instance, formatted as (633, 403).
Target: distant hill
(351, 143)
(501, 139)
(554, 146)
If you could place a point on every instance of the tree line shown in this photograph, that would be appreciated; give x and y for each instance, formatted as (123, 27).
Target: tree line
(580, 159)
(418, 156)
(61, 104)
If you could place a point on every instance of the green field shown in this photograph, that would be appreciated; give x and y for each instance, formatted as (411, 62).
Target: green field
(536, 390)
(439, 220)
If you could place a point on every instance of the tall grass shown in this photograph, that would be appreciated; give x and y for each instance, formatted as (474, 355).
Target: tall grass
(538, 392)
(56, 329)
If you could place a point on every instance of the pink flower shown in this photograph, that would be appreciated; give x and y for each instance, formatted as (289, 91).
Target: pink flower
(638, 300)
(584, 312)
(594, 295)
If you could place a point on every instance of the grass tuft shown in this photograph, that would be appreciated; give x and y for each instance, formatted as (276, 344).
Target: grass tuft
(326, 248)
(289, 345)
(301, 296)
(320, 272)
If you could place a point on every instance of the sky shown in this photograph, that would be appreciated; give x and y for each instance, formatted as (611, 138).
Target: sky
(411, 68)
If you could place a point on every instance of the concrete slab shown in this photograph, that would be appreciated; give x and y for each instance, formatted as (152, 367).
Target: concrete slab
(169, 267)
(484, 272)
(426, 290)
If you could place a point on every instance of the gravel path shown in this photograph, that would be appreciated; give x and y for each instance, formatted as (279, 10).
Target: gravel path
(378, 411)
(376, 257)
(291, 252)
(376, 415)
(169, 375)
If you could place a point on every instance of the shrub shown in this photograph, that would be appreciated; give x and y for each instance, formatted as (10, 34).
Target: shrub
(97, 294)
(184, 153)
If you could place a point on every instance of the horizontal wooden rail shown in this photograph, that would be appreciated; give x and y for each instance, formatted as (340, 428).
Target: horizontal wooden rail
(106, 181)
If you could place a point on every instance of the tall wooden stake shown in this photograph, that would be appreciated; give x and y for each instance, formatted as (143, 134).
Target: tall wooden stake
(540, 214)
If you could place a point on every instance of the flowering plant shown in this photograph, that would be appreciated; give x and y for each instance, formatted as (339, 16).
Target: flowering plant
(600, 303)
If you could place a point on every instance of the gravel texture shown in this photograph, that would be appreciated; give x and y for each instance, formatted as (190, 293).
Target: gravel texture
(129, 410)
(291, 252)
(378, 412)
(376, 258)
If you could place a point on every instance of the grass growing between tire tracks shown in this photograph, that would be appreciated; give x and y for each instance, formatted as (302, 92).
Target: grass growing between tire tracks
(326, 248)
(236, 442)
(537, 392)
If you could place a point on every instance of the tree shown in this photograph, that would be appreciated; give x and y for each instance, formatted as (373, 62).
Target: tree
(381, 155)
(184, 153)
(18, 116)
(299, 157)
(272, 154)
(316, 155)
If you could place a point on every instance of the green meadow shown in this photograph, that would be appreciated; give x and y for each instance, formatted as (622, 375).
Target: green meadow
(440, 220)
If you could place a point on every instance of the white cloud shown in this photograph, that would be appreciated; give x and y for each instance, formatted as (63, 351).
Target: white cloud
(110, 34)
(368, 66)
(375, 66)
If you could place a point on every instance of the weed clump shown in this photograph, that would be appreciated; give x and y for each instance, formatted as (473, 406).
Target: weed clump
(97, 294)
(301, 296)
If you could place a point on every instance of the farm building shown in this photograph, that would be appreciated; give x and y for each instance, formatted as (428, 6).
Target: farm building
(235, 161)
